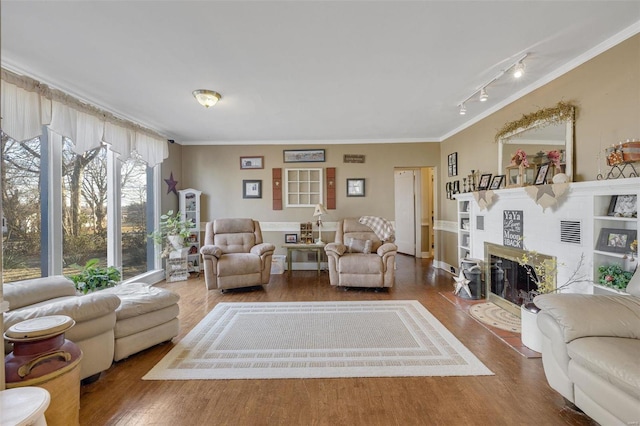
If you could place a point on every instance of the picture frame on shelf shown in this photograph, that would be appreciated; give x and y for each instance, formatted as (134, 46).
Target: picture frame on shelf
(452, 163)
(252, 162)
(614, 240)
(541, 176)
(290, 238)
(355, 187)
(484, 182)
(303, 155)
(251, 188)
(623, 206)
(497, 182)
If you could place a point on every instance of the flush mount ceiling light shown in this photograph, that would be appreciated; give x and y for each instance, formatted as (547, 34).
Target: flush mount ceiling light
(518, 71)
(207, 98)
(483, 95)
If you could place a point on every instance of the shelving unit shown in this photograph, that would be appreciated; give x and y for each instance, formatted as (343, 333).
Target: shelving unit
(464, 229)
(602, 220)
(190, 211)
(306, 233)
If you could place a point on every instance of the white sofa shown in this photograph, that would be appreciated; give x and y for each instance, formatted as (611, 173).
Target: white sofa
(94, 314)
(591, 351)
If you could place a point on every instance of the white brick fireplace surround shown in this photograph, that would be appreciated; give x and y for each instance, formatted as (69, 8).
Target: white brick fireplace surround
(585, 206)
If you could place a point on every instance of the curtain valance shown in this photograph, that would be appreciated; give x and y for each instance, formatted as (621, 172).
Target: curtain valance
(27, 105)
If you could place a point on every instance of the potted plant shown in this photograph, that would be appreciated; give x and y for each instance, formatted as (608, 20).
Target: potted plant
(93, 277)
(172, 233)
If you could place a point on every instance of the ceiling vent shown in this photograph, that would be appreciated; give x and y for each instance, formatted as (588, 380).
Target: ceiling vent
(571, 232)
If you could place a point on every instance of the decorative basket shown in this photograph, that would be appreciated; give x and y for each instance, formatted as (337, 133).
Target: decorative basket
(631, 151)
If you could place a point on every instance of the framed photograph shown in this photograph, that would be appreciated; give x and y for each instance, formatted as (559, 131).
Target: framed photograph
(615, 240)
(485, 179)
(290, 238)
(452, 163)
(541, 177)
(355, 187)
(623, 206)
(497, 182)
(251, 189)
(303, 155)
(252, 162)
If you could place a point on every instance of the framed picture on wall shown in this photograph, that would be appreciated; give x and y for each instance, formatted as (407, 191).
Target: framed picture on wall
(355, 187)
(452, 164)
(252, 163)
(251, 189)
(303, 155)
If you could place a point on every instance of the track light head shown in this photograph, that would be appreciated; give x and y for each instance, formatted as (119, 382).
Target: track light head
(518, 70)
(483, 95)
(463, 109)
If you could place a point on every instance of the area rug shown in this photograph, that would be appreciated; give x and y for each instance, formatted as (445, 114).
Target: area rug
(317, 340)
(492, 314)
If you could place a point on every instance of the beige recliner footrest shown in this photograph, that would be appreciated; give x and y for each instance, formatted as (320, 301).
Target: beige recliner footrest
(147, 316)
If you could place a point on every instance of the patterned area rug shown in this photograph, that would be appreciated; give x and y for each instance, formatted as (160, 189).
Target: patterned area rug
(317, 340)
(492, 314)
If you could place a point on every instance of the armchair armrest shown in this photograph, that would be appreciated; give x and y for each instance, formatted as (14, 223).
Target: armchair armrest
(211, 250)
(335, 248)
(582, 315)
(81, 308)
(387, 248)
(262, 249)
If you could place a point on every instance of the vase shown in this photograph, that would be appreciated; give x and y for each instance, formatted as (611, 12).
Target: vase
(176, 241)
(531, 335)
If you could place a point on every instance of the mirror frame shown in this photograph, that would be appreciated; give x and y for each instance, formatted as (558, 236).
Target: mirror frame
(561, 113)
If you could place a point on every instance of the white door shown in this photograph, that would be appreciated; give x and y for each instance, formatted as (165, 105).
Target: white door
(405, 211)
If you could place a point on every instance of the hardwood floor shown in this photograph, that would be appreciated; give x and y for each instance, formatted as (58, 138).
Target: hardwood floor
(518, 394)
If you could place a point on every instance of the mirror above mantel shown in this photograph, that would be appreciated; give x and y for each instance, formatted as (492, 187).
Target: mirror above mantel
(544, 130)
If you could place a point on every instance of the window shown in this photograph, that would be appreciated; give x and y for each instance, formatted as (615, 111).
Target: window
(60, 209)
(21, 227)
(303, 187)
(133, 177)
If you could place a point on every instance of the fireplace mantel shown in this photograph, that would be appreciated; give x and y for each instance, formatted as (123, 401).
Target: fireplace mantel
(582, 210)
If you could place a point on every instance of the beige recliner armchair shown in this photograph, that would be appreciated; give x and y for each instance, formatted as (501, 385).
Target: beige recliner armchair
(358, 258)
(234, 254)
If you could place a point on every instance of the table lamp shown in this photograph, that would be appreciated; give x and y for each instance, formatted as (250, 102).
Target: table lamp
(318, 212)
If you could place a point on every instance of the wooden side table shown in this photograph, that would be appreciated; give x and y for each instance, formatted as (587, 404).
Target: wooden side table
(318, 248)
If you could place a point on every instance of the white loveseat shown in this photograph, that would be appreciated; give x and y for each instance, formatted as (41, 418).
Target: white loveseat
(591, 351)
(94, 314)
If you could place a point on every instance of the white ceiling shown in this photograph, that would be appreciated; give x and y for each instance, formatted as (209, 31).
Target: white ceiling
(306, 71)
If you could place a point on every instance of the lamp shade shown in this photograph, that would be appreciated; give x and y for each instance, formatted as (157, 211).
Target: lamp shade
(207, 98)
(320, 210)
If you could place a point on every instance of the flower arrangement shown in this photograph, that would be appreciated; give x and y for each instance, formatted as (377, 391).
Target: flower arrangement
(520, 158)
(614, 276)
(554, 157)
(542, 272)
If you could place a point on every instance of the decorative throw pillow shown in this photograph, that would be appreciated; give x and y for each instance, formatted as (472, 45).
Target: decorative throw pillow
(359, 246)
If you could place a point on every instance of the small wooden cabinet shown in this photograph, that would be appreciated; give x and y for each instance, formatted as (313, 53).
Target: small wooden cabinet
(306, 233)
(190, 211)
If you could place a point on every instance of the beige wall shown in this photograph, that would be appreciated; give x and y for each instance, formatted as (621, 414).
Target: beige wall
(215, 170)
(606, 92)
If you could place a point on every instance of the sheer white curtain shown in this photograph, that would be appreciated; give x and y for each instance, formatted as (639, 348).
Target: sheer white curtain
(27, 105)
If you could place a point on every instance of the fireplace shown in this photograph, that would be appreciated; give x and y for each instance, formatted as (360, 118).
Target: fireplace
(509, 282)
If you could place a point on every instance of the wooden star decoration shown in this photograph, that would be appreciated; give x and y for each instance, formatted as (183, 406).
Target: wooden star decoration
(484, 198)
(547, 195)
(171, 183)
(461, 283)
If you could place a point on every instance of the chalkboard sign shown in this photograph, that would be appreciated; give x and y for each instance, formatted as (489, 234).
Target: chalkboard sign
(512, 227)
